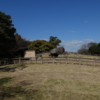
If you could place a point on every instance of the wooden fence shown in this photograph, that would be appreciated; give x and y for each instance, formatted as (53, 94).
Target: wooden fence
(60, 60)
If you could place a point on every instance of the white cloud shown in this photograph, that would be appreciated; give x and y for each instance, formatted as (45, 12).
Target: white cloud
(74, 45)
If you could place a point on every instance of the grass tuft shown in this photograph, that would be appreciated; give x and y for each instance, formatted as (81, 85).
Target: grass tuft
(5, 80)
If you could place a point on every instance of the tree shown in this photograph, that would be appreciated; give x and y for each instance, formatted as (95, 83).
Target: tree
(91, 44)
(95, 49)
(85, 47)
(21, 42)
(21, 46)
(40, 46)
(7, 38)
(55, 41)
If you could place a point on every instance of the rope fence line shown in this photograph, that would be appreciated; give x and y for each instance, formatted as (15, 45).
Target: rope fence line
(65, 60)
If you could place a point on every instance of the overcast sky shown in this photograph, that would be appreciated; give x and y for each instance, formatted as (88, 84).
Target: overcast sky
(74, 22)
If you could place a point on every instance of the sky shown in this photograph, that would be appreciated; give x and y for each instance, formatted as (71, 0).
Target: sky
(74, 22)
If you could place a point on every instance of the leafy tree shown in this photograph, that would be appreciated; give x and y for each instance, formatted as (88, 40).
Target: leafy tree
(95, 49)
(85, 47)
(21, 42)
(54, 40)
(91, 44)
(83, 51)
(20, 47)
(40, 46)
(7, 38)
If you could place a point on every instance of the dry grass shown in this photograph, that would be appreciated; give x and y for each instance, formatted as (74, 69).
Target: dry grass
(74, 55)
(49, 82)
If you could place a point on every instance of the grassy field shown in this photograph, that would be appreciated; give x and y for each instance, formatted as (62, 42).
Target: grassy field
(49, 82)
(74, 55)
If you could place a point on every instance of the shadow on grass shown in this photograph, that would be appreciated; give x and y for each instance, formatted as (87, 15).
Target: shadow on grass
(12, 92)
(39, 93)
(12, 68)
(9, 92)
(5, 80)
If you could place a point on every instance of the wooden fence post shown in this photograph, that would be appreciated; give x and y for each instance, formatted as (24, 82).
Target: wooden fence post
(80, 61)
(30, 60)
(4, 62)
(24, 61)
(41, 60)
(36, 59)
(94, 61)
(87, 63)
(60, 60)
(48, 60)
(66, 60)
(14, 62)
(73, 60)
(53, 60)
(19, 60)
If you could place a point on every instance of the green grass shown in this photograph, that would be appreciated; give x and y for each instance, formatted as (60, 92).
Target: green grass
(5, 80)
(56, 81)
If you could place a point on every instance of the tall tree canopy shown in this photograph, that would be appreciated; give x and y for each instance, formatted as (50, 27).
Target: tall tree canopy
(95, 49)
(21, 42)
(55, 41)
(20, 47)
(85, 48)
(40, 46)
(7, 38)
